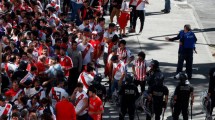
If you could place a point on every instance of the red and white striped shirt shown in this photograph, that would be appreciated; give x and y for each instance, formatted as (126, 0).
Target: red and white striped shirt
(86, 78)
(124, 54)
(140, 69)
(6, 110)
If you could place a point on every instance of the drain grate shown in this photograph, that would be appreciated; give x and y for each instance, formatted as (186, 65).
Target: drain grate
(184, 6)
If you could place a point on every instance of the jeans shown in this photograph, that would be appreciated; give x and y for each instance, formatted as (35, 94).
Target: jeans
(188, 57)
(115, 85)
(74, 15)
(141, 15)
(167, 5)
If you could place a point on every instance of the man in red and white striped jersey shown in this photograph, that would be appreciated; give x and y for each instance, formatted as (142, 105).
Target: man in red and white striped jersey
(5, 108)
(118, 73)
(81, 102)
(57, 92)
(87, 51)
(139, 69)
(86, 77)
(65, 61)
(124, 53)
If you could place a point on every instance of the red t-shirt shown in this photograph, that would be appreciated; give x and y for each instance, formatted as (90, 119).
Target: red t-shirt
(95, 105)
(96, 46)
(65, 110)
(40, 67)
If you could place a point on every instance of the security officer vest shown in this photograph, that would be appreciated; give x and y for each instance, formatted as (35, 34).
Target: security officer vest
(182, 92)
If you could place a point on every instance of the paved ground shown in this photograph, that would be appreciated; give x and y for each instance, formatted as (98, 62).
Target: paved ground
(157, 27)
(205, 12)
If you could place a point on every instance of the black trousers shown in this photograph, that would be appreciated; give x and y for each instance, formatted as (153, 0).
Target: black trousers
(141, 83)
(132, 15)
(212, 105)
(157, 110)
(188, 57)
(141, 15)
(127, 108)
(180, 107)
(72, 80)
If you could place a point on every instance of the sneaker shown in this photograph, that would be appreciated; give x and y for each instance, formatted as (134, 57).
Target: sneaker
(166, 11)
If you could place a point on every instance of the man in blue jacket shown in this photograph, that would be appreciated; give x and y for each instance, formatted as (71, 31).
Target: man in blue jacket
(187, 41)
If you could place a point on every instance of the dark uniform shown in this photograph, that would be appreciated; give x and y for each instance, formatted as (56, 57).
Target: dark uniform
(154, 73)
(157, 93)
(211, 89)
(100, 89)
(128, 95)
(151, 77)
(182, 94)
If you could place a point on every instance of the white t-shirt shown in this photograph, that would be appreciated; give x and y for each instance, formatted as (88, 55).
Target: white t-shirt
(80, 96)
(98, 28)
(87, 57)
(58, 92)
(81, 27)
(88, 78)
(109, 36)
(141, 6)
(124, 6)
(120, 70)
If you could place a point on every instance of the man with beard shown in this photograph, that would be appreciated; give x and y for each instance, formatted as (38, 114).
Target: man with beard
(37, 90)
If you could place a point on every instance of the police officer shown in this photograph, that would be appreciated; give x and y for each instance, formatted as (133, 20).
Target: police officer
(100, 89)
(186, 48)
(157, 93)
(153, 72)
(211, 90)
(128, 95)
(182, 94)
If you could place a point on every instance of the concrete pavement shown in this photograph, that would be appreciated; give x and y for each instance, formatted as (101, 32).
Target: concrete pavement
(152, 41)
(206, 16)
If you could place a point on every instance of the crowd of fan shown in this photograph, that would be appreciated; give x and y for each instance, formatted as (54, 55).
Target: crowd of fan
(46, 58)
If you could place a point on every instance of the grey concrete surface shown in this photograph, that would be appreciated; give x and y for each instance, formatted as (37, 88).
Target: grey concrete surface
(205, 11)
(152, 41)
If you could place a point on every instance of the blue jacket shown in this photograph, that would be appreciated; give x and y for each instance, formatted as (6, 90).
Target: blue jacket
(188, 42)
